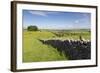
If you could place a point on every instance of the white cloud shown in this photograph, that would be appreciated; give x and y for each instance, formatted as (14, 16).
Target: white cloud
(77, 21)
(42, 13)
(38, 13)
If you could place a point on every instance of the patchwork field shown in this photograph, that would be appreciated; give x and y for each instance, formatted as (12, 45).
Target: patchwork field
(35, 51)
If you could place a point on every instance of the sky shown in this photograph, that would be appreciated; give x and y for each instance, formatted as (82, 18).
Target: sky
(56, 19)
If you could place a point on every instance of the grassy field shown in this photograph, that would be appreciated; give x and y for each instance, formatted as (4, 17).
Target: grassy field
(35, 51)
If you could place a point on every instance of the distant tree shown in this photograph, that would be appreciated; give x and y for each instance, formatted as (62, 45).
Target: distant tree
(80, 38)
(32, 28)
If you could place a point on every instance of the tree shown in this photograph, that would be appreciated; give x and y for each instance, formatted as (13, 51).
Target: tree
(80, 38)
(32, 28)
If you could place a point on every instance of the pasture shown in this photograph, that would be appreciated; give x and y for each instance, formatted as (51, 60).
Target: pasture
(35, 51)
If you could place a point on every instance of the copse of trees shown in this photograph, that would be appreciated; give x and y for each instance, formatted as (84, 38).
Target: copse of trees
(32, 28)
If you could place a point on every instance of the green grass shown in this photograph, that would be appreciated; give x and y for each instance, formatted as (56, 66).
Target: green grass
(36, 51)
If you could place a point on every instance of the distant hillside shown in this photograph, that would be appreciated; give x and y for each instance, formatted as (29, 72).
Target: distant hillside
(63, 30)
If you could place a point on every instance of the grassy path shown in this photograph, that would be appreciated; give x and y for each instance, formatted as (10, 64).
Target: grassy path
(35, 51)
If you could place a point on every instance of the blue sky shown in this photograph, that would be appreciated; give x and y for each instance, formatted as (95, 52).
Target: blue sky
(56, 20)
